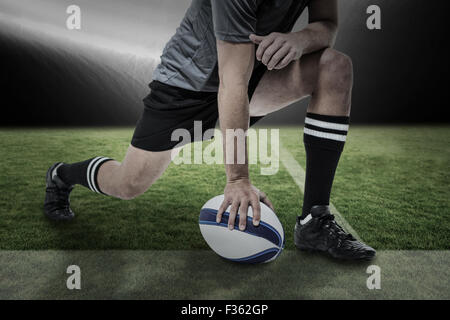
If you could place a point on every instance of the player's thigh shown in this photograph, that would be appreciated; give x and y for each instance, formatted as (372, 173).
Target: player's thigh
(279, 88)
(142, 167)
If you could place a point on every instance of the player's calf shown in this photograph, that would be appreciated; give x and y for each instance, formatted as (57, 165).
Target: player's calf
(137, 172)
(61, 179)
(131, 188)
(126, 180)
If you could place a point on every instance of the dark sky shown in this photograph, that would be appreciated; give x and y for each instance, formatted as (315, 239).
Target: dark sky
(99, 74)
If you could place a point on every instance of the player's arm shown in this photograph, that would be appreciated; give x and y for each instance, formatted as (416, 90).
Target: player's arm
(236, 62)
(277, 50)
(233, 22)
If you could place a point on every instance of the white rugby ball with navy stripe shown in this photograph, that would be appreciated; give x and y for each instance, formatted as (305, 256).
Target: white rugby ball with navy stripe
(253, 245)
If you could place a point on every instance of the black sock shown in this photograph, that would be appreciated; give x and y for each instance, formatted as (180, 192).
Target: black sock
(324, 138)
(83, 173)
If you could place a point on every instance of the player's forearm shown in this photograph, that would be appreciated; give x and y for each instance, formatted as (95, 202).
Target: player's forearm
(317, 36)
(234, 118)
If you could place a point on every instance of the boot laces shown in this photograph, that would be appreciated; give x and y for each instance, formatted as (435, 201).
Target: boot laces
(335, 230)
(62, 197)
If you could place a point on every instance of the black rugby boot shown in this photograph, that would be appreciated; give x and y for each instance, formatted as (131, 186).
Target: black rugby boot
(320, 232)
(57, 193)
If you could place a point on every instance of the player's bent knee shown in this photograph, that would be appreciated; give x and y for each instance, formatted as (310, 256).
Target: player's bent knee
(337, 67)
(336, 60)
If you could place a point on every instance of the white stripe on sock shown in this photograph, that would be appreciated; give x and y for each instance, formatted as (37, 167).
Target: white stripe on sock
(94, 167)
(327, 125)
(88, 172)
(306, 220)
(325, 135)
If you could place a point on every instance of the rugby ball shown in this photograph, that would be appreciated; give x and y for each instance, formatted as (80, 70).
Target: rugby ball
(259, 244)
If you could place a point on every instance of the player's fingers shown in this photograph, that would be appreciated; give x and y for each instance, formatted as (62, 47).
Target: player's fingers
(270, 51)
(243, 210)
(232, 217)
(286, 60)
(256, 207)
(256, 39)
(277, 57)
(263, 46)
(265, 199)
(267, 202)
(221, 210)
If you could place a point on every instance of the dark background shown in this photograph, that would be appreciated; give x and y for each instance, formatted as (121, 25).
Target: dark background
(50, 76)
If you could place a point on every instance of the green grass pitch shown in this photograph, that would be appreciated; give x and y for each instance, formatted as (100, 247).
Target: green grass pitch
(392, 186)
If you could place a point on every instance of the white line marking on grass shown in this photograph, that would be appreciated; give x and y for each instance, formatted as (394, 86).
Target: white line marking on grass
(298, 174)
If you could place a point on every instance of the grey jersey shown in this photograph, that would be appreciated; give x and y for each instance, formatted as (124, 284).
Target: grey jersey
(189, 59)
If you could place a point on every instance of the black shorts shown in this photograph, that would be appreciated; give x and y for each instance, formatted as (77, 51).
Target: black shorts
(168, 108)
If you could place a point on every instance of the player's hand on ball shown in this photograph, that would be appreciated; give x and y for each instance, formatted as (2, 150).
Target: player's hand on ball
(263, 198)
(240, 195)
(277, 50)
